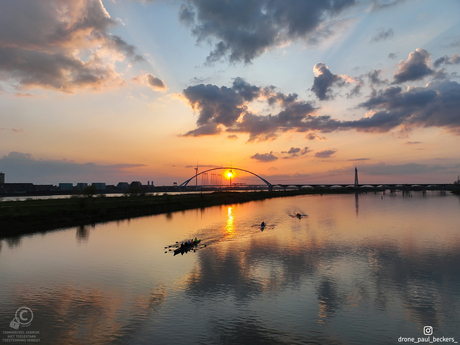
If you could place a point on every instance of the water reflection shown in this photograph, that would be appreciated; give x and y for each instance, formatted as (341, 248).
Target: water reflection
(87, 314)
(357, 204)
(328, 300)
(82, 234)
(426, 283)
(247, 330)
(331, 278)
(230, 226)
(14, 241)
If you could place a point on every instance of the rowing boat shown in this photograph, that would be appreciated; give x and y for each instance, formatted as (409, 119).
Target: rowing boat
(186, 247)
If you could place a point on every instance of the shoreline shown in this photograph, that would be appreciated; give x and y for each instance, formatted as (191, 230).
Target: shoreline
(42, 215)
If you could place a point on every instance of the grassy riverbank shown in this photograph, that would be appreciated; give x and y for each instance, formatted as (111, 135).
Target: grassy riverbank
(29, 216)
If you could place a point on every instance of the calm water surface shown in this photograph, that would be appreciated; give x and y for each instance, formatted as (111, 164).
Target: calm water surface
(358, 270)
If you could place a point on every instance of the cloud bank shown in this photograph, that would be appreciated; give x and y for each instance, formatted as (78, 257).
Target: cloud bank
(24, 167)
(227, 109)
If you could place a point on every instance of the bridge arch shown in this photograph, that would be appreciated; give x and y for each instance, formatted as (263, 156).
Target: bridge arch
(185, 183)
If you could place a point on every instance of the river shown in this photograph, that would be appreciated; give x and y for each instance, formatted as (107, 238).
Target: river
(367, 269)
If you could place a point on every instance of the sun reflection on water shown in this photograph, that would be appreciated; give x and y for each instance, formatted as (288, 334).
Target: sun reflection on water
(230, 226)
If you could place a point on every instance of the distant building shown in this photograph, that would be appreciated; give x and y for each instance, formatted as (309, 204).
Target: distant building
(123, 185)
(81, 185)
(65, 186)
(99, 185)
(136, 184)
(2, 178)
(16, 187)
(44, 188)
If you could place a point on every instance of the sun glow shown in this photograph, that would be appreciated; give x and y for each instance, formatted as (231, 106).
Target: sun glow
(229, 174)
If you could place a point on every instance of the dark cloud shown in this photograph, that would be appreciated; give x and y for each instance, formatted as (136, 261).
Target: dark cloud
(155, 83)
(264, 157)
(374, 78)
(382, 35)
(355, 91)
(187, 14)
(127, 49)
(206, 129)
(394, 98)
(445, 60)
(62, 45)
(243, 30)
(292, 150)
(228, 107)
(323, 81)
(295, 152)
(412, 142)
(358, 159)
(436, 105)
(221, 105)
(415, 68)
(325, 153)
(232, 136)
(305, 150)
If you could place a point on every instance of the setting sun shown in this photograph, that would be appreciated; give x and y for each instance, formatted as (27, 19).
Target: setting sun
(229, 174)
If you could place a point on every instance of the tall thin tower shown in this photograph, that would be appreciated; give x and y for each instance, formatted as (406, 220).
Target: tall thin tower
(196, 175)
(356, 178)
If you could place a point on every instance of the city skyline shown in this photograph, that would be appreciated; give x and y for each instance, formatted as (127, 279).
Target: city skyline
(294, 91)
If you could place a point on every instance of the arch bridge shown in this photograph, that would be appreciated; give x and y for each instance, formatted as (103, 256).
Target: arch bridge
(269, 185)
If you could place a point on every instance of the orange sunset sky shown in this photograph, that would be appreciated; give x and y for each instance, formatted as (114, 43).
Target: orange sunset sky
(295, 91)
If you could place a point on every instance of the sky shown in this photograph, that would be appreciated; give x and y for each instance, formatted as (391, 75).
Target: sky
(299, 91)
